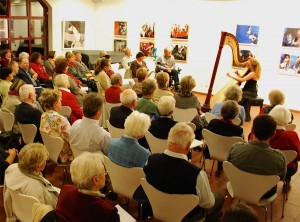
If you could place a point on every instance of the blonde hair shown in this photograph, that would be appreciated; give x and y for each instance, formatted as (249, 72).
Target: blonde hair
(162, 79)
(62, 80)
(233, 92)
(148, 87)
(49, 97)
(141, 74)
(181, 134)
(31, 156)
(276, 97)
(136, 124)
(187, 84)
(255, 67)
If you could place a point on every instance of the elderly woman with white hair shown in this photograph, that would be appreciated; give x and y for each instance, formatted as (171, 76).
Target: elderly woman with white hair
(234, 93)
(160, 127)
(126, 151)
(68, 99)
(285, 139)
(26, 177)
(83, 201)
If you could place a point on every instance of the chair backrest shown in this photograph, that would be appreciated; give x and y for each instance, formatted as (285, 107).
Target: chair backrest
(192, 125)
(39, 211)
(8, 120)
(53, 144)
(236, 121)
(98, 87)
(247, 186)
(76, 152)
(218, 145)
(114, 131)
(28, 132)
(156, 145)
(209, 116)
(22, 205)
(124, 180)
(65, 111)
(184, 115)
(169, 207)
(290, 155)
(107, 107)
(290, 126)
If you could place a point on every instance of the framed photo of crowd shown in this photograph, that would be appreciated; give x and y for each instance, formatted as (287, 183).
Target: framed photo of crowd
(148, 30)
(120, 28)
(180, 31)
(120, 45)
(247, 34)
(73, 34)
(147, 47)
(179, 51)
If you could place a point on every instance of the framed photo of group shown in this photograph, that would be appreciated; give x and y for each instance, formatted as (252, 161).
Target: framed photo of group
(180, 31)
(247, 34)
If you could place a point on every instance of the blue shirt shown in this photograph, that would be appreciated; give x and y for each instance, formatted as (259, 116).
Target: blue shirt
(127, 152)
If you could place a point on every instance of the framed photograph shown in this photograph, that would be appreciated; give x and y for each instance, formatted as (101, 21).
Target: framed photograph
(247, 34)
(73, 34)
(120, 45)
(148, 30)
(291, 37)
(147, 48)
(120, 28)
(3, 34)
(245, 53)
(179, 51)
(180, 31)
(289, 64)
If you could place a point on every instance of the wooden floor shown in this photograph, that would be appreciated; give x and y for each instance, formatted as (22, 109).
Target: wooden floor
(292, 208)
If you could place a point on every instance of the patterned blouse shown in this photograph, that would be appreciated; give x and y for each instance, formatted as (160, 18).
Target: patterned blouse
(57, 125)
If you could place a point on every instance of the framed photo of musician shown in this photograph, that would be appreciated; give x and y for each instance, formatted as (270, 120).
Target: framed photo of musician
(120, 28)
(148, 30)
(180, 31)
(73, 34)
(147, 47)
(291, 37)
(179, 51)
(289, 64)
(120, 45)
(247, 34)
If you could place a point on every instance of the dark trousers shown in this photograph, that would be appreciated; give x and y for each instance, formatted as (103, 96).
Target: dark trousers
(174, 75)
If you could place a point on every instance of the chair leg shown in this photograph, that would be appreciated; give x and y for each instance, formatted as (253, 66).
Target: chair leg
(212, 167)
(271, 212)
(283, 198)
(141, 212)
(266, 213)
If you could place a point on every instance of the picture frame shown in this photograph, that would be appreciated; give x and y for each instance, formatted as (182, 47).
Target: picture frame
(73, 34)
(289, 64)
(247, 34)
(120, 45)
(180, 31)
(291, 37)
(148, 30)
(147, 47)
(2, 24)
(120, 28)
(179, 51)
(246, 52)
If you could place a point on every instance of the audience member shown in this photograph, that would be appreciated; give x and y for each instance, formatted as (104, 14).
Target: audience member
(52, 123)
(138, 63)
(171, 172)
(118, 114)
(186, 99)
(25, 74)
(141, 74)
(166, 63)
(102, 77)
(81, 68)
(127, 59)
(49, 63)
(14, 67)
(234, 93)
(160, 127)
(86, 134)
(5, 58)
(225, 126)
(145, 104)
(68, 99)
(257, 156)
(72, 65)
(25, 55)
(7, 157)
(126, 151)
(240, 212)
(26, 177)
(5, 81)
(162, 79)
(112, 94)
(83, 201)
(26, 112)
(36, 65)
(285, 139)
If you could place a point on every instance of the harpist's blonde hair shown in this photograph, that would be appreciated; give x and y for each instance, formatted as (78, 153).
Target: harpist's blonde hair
(255, 66)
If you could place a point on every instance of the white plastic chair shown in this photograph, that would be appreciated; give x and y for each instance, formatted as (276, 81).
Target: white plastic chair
(28, 132)
(114, 131)
(184, 115)
(156, 145)
(290, 126)
(65, 111)
(8, 120)
(169, 207)
(209, 116)
(219, 146)
(76, 152)
(22, 205)
(250, 187)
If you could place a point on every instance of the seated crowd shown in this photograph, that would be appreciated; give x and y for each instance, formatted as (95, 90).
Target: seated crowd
(148, 105)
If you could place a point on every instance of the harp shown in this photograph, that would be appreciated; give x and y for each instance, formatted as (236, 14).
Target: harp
(230, 40)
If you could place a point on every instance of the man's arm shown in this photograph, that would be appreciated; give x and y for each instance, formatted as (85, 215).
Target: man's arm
(206, 197)
(160, 65)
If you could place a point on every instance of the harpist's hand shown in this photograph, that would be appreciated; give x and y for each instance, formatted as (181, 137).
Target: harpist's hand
(229, 75)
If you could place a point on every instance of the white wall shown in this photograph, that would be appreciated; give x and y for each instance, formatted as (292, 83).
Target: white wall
(206, 19)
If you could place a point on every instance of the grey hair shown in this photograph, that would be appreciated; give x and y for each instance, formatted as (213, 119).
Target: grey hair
(166, 105)
(281, 115)
(136, 124)
(181, 134)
